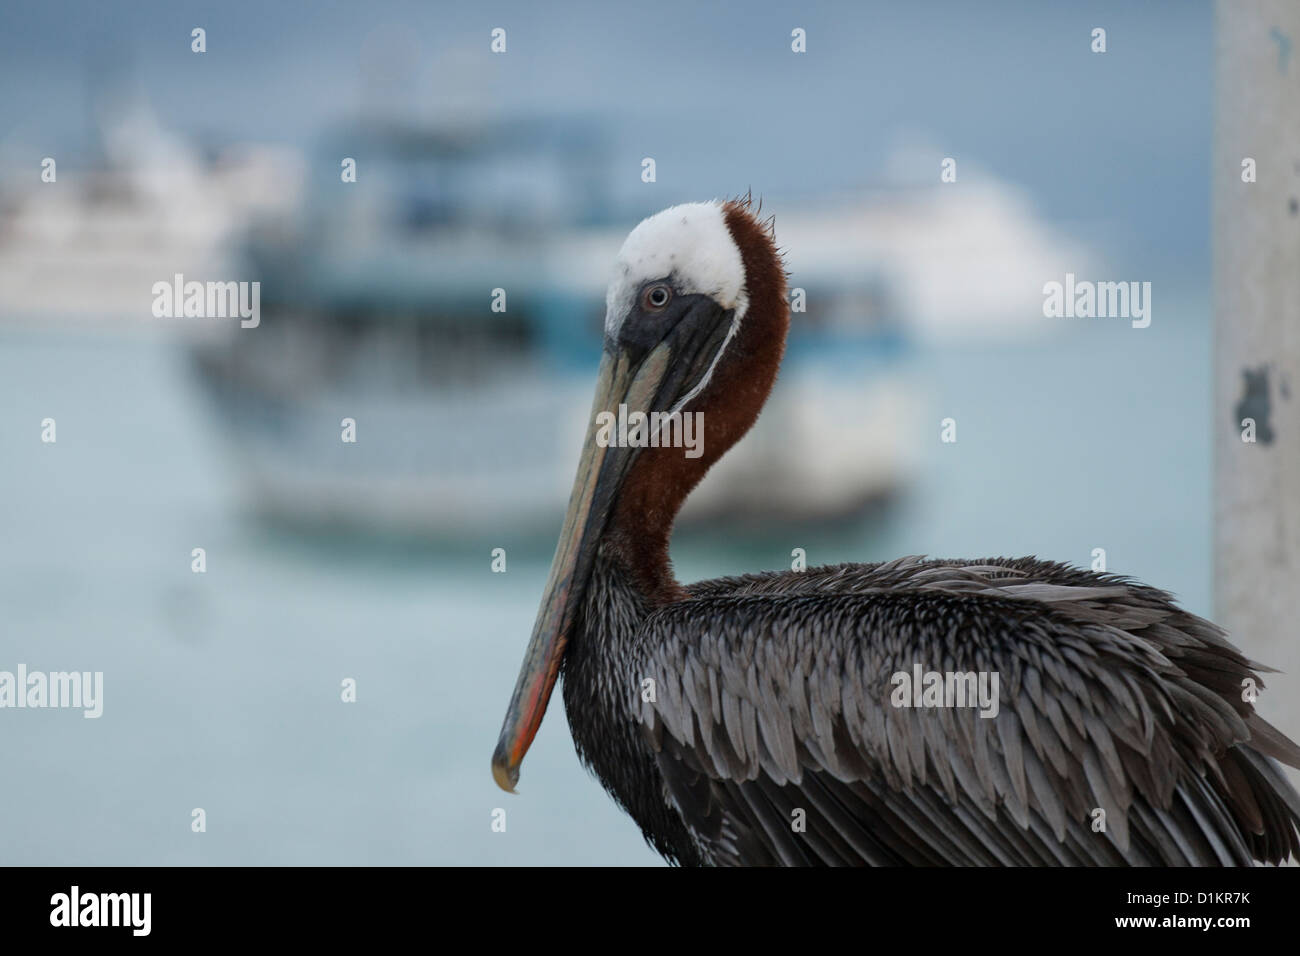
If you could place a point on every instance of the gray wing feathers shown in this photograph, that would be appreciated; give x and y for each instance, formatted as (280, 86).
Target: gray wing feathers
(774, 701)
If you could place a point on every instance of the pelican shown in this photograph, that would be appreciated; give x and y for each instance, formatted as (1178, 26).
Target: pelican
(761, 719)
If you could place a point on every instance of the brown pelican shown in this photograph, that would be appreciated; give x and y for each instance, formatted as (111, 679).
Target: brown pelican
(759, 720)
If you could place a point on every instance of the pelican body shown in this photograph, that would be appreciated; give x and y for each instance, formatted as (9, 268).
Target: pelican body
(759, 719)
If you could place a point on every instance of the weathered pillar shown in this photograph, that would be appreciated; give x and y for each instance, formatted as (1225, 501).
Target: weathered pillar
(1257, 340)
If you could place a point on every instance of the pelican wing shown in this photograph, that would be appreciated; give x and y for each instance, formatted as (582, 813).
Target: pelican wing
(1120, 734)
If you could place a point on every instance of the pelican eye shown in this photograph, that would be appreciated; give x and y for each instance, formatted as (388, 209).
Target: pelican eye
(656, 297)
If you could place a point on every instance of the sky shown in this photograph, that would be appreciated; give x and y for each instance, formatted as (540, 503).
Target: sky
(1114, 146)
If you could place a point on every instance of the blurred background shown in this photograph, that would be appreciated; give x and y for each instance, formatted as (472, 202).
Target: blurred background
(522, 171)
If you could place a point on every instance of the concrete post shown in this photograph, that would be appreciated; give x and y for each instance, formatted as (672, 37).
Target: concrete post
(1256, 229)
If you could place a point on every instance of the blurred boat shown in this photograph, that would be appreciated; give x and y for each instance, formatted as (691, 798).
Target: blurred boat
(377, 307)
(139, 205)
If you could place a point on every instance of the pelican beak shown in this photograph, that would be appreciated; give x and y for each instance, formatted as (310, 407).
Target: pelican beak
(643, 379)
(600, 472)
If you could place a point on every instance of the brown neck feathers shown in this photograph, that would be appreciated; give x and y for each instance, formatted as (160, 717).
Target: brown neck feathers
(661, 478)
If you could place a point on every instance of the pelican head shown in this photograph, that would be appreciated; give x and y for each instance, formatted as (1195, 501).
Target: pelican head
(695, 324)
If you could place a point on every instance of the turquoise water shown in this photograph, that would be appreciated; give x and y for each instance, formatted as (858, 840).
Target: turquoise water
(222, 690)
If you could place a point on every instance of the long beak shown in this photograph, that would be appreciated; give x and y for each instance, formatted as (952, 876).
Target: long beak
(601, 471)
